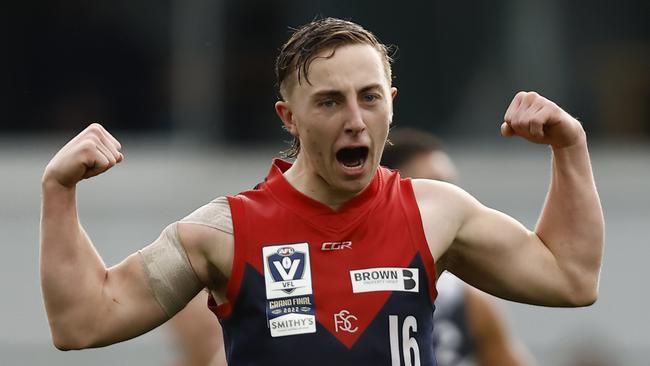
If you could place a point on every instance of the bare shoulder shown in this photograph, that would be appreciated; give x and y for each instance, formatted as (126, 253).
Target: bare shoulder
(210, 252)
(443, 208)
(434, 192)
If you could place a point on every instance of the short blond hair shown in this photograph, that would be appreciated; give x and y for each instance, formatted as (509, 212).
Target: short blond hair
(308, 41)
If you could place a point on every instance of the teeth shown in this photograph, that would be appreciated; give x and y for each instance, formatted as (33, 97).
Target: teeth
(352, 157)
(355, 164)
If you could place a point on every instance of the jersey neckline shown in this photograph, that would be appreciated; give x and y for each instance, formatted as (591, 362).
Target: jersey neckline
(311, 209)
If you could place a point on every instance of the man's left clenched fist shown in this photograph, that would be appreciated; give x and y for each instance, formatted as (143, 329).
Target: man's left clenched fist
(541, 121)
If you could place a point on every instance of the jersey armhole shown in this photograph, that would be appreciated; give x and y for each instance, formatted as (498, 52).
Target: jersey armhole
(417, 233)
(236, 275)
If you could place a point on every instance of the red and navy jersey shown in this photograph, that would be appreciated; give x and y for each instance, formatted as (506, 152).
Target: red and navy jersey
(313, 285)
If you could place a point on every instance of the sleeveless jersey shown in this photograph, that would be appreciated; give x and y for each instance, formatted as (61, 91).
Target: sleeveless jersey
(310, 285)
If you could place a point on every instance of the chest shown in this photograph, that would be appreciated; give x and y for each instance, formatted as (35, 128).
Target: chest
(339, 276)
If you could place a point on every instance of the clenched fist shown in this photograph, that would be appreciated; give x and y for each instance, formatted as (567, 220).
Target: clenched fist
(541, 121)
(90, 153)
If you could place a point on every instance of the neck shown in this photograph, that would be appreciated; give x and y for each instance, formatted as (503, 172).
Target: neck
(307, 181)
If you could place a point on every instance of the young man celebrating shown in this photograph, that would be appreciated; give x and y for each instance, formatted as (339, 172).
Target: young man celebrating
(331, 259)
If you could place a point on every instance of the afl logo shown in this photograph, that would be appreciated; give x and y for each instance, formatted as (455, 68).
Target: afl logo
(285, 251)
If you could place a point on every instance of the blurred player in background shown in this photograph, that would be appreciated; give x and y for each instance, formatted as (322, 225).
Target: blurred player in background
(468, 328)
(196, 335)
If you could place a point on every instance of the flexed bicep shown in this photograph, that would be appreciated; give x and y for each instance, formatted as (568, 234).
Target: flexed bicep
(496, 253)
(135, 296)
(487, 248)
(128, 307)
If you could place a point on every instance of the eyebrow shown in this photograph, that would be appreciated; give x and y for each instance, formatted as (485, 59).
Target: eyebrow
(337, 93)
(370, 87)
(331, 93)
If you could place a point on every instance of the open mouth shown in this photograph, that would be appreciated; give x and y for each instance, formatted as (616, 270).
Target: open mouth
(352, 157)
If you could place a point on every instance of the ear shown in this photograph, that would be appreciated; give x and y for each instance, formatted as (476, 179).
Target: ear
(283, 109)
(393, 95)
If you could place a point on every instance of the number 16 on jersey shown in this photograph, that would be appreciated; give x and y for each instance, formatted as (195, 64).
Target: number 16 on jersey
(410, 349)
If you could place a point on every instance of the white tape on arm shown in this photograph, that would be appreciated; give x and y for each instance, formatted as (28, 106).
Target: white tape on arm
(170, 274)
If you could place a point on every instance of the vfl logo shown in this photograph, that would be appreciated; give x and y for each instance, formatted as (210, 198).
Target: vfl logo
(343, 321)
(336, 245)
(287, 271)
(287, 265)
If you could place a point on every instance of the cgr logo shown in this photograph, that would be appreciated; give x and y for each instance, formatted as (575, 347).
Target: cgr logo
(336, 245)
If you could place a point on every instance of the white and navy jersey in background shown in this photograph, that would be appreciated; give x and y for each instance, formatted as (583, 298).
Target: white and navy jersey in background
(453, 341)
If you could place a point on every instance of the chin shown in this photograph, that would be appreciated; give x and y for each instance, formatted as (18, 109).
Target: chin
(356, 185)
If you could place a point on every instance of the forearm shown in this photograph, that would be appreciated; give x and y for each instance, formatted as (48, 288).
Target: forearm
(571, 224)
(71, 270)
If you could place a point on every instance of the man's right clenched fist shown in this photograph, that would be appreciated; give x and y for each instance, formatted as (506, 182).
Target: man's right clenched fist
(91, 152)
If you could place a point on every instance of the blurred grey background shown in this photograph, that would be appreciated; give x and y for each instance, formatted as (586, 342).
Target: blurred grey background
(188, 88)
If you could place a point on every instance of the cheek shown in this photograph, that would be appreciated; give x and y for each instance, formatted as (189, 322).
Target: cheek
(310, 137)
(380, 126)
(318, 142)
(317, 130)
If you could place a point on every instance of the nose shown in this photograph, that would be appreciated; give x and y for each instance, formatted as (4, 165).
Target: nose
(354, 123)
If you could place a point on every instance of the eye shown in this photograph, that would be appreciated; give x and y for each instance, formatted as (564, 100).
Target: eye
(327, 103)
(370, 98)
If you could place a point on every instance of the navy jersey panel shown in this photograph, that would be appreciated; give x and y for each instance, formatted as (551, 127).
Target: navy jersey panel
(321, 347)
